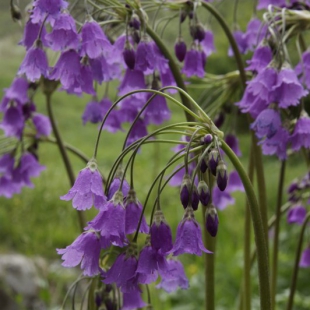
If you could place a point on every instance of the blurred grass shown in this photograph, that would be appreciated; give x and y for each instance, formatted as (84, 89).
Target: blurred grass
(36, 221)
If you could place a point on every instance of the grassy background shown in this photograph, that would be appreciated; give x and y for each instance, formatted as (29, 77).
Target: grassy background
(36, 221)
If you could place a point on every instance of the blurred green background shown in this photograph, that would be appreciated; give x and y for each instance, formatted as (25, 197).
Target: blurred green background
(36, 222)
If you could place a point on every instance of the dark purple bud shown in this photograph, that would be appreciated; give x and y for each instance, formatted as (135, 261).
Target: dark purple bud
(135, 22)
(219, 120)
(203, 165)
(98, 298)
(221, 175)
(136, 36)
(129, 55)
(185, 189)
(293, 187)
(195, 198)
(213, 161)
(183, 16)
(204, 193)
(15, 13)
(108, 288)
(207, 138)
(191, 14)
(212, 220)
(197, 32)
(28, 109)
(180, 49)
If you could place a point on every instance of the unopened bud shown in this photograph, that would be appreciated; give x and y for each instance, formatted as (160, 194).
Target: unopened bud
(213, 161)
(204, 193)
(219, 120)
(136, 36)
(197, 32)
(16, 13)
(221, 175)
(135, 22)
(207, 139)
(212, 220)
(129, 56)
(203, 165)
(180, 49)
(183, 16)
(185, 189)
(195, 198)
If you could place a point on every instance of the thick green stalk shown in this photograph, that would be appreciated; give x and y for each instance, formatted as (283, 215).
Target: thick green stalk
(64, 154)
(246, 295)
(210, 243)
(296, 265)
(260, 238)
(274, 269)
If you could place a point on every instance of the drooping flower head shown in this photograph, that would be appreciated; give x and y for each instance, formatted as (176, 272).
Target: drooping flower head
(296, 214)
(87, 190)
(189, 238)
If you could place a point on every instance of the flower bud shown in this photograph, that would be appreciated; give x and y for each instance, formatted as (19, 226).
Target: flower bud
(204, 193)
(203, 165)
(221, 175)
(197, 32)
(136, 36)
(180, 49)
(185, 189)
(195, 198)
(212, 221)
(213, 161)
(219, 120)
(135, 21)
(183, 16)
(129, 55)
(207, 138)
(16, 13)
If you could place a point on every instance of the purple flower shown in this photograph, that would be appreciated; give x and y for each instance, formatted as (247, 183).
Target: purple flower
(221, 199)
(133, 300)
(31, 33)
(261, 58)
(263, 4)
(87, 190)
(28, 167)
(157, 110)
(63, 35)
(174, 277)
(287, 91)
(85, 250)
(305, 258)
(145, 59)
(94, 41)
(122, 273)
(303, 68)
(207, 43)
(193, 63)
(17, 92)
(114, 186)
(101, 70)
(267, 123)
(301, 136)
(189, 239)
(6, 164)
(67, 70)
(277, 144)
(133, 209)
(180, 49)
(93, 113)
(234, 183)
(34, 64)
(42, 8)
(254, 33)
(8, 187)
(296, 214)
(167, 79)
(42, 124)
(242, 43)
(138, 131)
(13, 122)
(149, 263)
(133, 80)
(233, 143)
(161, 237)
(110, 221)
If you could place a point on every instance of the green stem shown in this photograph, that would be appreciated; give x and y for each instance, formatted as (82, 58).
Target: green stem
(174, 69)
(246, 295)
(230, 38)
(64, 154)
(274, 269)
(296, 265)
(260, 239)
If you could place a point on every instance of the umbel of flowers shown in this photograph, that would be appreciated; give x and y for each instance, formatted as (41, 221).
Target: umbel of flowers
(116, 42)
